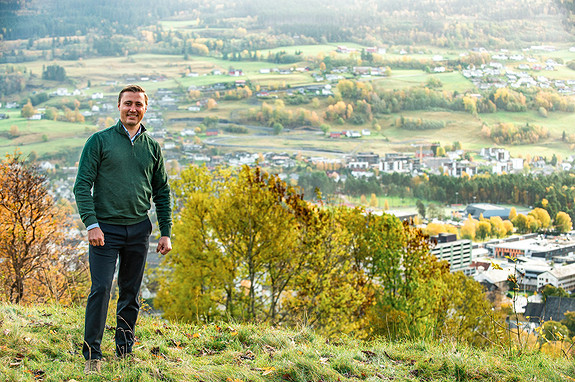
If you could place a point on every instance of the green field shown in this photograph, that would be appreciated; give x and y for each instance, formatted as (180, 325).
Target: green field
(403, 79)
(45, 137)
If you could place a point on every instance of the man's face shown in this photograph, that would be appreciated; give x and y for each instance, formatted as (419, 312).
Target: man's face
(132, 108)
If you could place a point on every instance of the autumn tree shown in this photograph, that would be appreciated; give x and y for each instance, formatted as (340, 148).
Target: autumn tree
(373, 202)
(497, 227)
(211, 104)
(483, 230)
(28, 110)
(508, 227)
(36, 262)
(416, 295)
(512, 213)
(51, 114)
(541, 216)
(248, 247)
(563, 222)
(468, 229)
(521, 223)
(14, 131)
(236, 234)
(434, 228)
(332, 292)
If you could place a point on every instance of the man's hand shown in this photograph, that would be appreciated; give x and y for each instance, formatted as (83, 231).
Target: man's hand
(164, 245)
(96, 237)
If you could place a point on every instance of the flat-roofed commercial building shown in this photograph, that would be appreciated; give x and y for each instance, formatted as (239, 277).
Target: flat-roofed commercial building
(456, 252)
(541, 248)
(486, 210)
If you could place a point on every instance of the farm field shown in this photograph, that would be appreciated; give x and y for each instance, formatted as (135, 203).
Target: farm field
(42, 137)
(108, 74)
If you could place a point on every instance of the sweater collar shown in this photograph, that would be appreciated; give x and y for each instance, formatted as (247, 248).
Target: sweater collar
(120, 128)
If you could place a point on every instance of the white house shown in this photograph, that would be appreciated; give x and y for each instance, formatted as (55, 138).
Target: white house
(358, 165)
(559, 277)
(46, 166)
(517, 163)
(62, 92)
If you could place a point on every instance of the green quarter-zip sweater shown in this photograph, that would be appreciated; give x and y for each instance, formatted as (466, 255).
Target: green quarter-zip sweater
(118, 178)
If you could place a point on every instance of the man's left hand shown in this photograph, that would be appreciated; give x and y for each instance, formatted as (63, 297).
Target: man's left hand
(164, 245)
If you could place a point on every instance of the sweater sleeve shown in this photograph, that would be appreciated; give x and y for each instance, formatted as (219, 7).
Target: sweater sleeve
(161, 196)
(87, 172)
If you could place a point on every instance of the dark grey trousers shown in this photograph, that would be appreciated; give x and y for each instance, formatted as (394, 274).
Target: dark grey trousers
(128, 244)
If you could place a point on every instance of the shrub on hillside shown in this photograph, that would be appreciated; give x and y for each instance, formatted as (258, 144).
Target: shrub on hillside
(419, 124)
(510, 133)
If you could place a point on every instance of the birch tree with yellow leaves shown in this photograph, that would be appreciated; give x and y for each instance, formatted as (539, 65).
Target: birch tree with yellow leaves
(247, 247)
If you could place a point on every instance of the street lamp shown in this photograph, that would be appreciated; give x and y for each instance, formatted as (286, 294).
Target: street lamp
(456, 194)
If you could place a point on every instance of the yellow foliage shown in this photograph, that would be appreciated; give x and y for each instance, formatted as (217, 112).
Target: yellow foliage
(468, 229)
(512, 213)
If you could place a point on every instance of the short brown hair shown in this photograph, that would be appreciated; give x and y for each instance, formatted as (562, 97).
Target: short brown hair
(133, 89)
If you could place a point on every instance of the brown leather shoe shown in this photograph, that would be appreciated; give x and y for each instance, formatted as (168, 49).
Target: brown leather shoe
(93, 366)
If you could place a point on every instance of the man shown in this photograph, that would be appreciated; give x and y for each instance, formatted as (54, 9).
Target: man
(121, 169)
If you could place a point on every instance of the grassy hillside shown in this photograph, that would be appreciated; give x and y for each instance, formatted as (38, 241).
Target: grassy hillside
(46, 138)
(44, 343)
(49, 139)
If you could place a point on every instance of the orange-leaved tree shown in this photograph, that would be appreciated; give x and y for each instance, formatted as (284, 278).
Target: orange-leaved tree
(36, 260)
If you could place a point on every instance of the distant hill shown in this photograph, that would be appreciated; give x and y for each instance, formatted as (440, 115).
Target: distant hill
(26, 19)
(456, 23)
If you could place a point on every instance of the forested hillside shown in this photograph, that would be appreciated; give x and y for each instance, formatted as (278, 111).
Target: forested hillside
(24, 19)
(456, 23)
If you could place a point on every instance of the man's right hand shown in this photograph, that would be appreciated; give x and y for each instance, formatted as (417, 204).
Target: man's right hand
(96, 237)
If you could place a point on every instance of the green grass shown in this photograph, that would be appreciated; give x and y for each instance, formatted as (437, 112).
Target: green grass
(459, 126)
(403, 79)
(394, 202)
(43, 136)
(562, 52)
(44, 343)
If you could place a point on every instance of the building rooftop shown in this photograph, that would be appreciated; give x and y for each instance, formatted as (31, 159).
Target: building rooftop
(493, 276)
(534, 245)
(563, 271)
(528, 244)
(487, 206)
